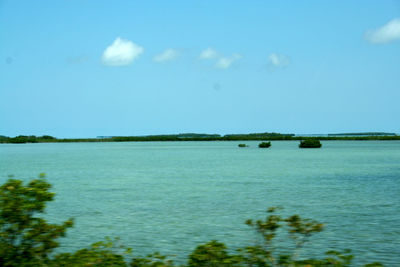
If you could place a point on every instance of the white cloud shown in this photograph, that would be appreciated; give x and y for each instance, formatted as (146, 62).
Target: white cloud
(277, 60)
(121, 52)
(226, 62)
(385, 34)
(208, 53)
(167, 55)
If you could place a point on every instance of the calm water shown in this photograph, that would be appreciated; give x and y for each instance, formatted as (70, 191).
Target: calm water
(171, 196)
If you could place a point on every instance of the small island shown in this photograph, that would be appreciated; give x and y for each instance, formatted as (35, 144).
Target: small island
(310, 143)
(264, 144)
(243, 145)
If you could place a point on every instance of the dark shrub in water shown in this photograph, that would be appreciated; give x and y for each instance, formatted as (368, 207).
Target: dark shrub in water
(310, 143)
(264, 145)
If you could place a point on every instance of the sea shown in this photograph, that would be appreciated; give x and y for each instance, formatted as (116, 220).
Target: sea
(172, 196)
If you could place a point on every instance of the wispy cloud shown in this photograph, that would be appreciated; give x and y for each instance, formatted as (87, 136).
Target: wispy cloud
(167, 55)
(226, 62)
(385, 34)
(121, 52)
(208, 53)
(278, 60)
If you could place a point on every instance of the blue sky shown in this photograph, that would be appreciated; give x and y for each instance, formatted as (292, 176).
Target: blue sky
(89, 68)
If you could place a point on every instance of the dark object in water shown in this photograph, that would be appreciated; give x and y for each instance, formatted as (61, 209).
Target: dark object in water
(264, 145)
(310, 143)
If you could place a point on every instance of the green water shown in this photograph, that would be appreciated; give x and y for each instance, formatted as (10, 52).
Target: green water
(171, 196)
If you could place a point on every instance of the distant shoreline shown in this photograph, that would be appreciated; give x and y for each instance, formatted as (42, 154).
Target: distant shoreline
(201, 137)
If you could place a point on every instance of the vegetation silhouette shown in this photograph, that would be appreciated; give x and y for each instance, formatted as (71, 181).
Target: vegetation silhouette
(264, 144)
(21, 139)
(310, 143)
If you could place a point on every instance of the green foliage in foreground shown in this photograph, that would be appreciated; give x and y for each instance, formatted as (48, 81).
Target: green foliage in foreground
(242, 145)
(264, 144)
(24, 237)
(310, 143)
(28, 240)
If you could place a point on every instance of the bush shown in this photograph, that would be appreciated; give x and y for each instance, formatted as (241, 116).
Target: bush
(212, 254)
(26, 239)
(264, 144)
(310, 143)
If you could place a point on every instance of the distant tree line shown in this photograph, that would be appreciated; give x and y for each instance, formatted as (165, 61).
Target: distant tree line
(27, 139)
(364, 134)
(194, 137)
